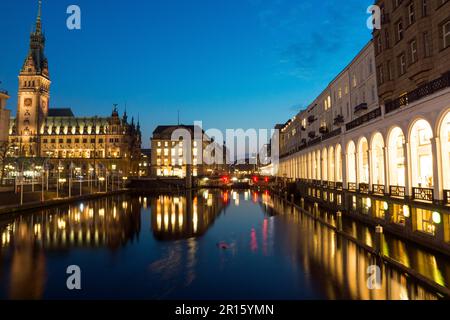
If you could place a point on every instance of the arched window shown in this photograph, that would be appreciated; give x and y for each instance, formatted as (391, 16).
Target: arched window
(421, 155)
(378, 159)
(444, 133)
(363, 161)
(351, 162)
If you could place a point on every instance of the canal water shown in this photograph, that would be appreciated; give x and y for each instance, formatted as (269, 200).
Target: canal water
(204, 245)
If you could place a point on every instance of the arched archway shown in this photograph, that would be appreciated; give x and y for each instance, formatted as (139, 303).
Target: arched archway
(318, 164)
(310, 175)
(331, 165)
(351, 163)
(444, 134)
(421, 154)
(338, 163)
(324, 165)
(397, 157)
(314, 166)
(378, 169)
(363, 160)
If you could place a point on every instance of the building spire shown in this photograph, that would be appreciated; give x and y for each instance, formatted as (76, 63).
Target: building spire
(38, 19)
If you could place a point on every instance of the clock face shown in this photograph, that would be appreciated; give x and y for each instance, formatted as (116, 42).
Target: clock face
(28, 102)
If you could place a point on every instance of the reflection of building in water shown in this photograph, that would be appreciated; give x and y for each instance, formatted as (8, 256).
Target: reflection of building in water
(110, 222)
(344, 265)
(183, 217)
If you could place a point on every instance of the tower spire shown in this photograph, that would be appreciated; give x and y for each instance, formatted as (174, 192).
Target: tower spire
(38, 19)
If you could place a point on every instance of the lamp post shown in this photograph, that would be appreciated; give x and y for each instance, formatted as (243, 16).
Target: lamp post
(60, 168)
(32, 177)
(70, 179)
(90, 178)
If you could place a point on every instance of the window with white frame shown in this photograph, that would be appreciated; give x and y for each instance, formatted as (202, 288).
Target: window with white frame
(413, 51)
(446, 34)
(411, 13)
(399, 30)
(401, 64)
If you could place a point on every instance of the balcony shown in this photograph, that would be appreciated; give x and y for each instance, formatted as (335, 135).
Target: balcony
(312, 134)
(364, 188)
(447, 197)
(352, 187)
(323, 130)
(331, 185)
(379, 189)
(361, 107)
(338, 120)
(397, 191)
(311, 119)
(332, 134)
(423, 194)
(421, 92)
(339, 186)
(364, 119)
(303, 128)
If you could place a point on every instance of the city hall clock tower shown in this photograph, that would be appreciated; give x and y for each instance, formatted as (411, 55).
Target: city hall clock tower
(34, 92)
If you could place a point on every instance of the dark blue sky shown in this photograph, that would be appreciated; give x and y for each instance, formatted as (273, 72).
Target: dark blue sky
(229, 63)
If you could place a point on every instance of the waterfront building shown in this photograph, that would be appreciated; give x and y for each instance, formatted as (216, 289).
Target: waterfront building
(91, 143)
(311, 143)
(172, 158)
(389, 153)
(4, 116)
(145, 162)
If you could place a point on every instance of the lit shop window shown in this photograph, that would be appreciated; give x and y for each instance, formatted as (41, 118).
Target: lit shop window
(399, 214)
(426, 220)
(380, 209)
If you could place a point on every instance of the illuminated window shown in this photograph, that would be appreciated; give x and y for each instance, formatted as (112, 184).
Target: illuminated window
(424, 221)
(399, 214)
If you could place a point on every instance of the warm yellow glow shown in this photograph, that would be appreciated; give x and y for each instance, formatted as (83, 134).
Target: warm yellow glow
(437, 217)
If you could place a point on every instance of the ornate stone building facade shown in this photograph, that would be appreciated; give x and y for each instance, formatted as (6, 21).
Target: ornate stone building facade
(56, 134)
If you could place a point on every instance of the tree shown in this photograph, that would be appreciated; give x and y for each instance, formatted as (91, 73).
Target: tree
(4, 148)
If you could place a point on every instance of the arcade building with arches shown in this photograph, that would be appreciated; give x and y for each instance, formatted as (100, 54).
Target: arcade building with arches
(376, 141)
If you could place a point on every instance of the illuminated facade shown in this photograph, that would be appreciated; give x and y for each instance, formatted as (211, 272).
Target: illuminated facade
(399, 146)
(171, 158)
(56, 134)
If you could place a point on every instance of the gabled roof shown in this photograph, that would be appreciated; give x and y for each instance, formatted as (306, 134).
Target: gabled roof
(64, 112)
(165, 132)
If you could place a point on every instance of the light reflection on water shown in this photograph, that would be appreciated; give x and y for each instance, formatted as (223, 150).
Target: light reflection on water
(205, 245)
